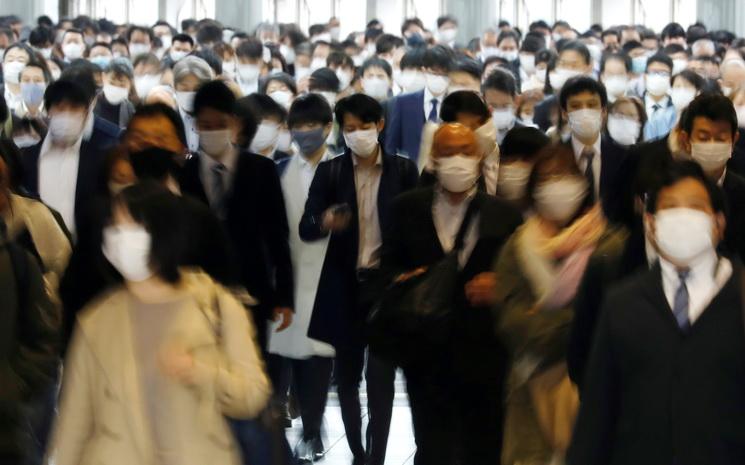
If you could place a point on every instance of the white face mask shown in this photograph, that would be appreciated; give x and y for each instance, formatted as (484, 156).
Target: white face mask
(411, 80)
(458, 173)
(488, 52)
(679, 65)
(302, 72)
(560, 76)
(229, 69)
(437, 85)
(623, 130)
(138, 49)
(186, 101)
(282, 97)
(509, 55)
(682, 96)
(12, 71)
(115, 94)
(65, 127)
(616, 85)
(166, 40)
(45, 52)
(215, 143)
(127, 248)
(317, 63)
(559, 200)
(330, 98)
(586, 123)
(376, 87)
(266, 136)
(503, 118)
(447, 35)
(726, 91)
(683, 234)
(527, 62)
(248, 73)
(712, 156)
(658, 85)
(740, 115)
(25, 140)
(288, 53)
(73, 50)
(513, 180)
(345, 78)
(284, 140)
(363, 142)
(176, 55)
(145, 83)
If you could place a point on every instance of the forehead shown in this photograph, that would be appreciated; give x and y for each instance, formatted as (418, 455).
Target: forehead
(584, 96)
(702, 123)
(687, 188)
(571, 56)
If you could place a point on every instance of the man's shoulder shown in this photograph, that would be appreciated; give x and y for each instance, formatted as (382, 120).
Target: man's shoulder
(105, 130)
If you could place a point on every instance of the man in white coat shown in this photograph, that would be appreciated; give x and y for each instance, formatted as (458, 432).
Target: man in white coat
(294, 357)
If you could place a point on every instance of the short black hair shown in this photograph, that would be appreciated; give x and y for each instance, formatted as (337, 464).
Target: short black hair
(540, 24)
(215, 95)
(212, 59)
(387, 43)
(468, 65)
(409, 22)
(11, 155)
(622, 57)
(309, 108)
(161, 109)
(578, 47)
(154, 163)
(611, 32)
(250, 48)
(82, 72)
(579, 84)
(144, 30)
(463, 101)
(284, 78)
(248, 119)
(523, 142)
(73, 31)
(675, 48)
(446, 19)
(40, 36)
(691, 76)
(339, 59)
(715, 107)
(533, 42)
(316, 29)
(264, 106)
(324, 80)
(413, 58)
(209, 32)
(661, 58)
(376, 62)
(44, 21)
(188, 23)
(372, 34)
(438, 56)
(183, 38)
(672, 30)
(676, 171)
(362, 106)
(502, 81)
(508, 35)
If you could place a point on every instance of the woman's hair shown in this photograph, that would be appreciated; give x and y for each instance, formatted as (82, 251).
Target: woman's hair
(10, 154)
(195, 66)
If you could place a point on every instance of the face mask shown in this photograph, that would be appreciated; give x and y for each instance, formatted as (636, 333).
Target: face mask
(335, 32)
(101, 61)
(215, 143)
(317, 63)
(115, 94)
(300, 72)
(540, 75)
(248, 73)
(127, 248)
(284, 140)
(33, 93)
(585, 124)
(145, 83)
(639, 64)
(679, 65)
(488, 52)
(658, 85)
(176, 55)
(266, 136)
(25, 141)
(513, 180)
(458, 173)
(596, 52)
(740, 115)
(45, 52)
(138, 49)
(712, 156)
(727, 91)
(527, 119)
(625, 131)
(56, 73)
(282, 97)
(447, 35)
(228, 69)
(510, 55)
(556, 36)
(559, 200)
(288, 53)
(560, 76)
(166, 40)
(12, 71)
(65, 127)
(682, 96)
(503, 119)
(309, 141)
(186, 101)
(437, 85)
(363, 142)
(330, 98)
(616, 85)
(412, 80)
(683, 234)
(73, 51)
(375, 87)
(345, 78)
(527, 62)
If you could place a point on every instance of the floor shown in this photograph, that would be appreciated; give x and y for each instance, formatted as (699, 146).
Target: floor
(401, 445)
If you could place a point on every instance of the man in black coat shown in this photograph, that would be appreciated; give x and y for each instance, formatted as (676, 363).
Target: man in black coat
(666, 378)
(350, 200)
(243, 189)
(455, 385)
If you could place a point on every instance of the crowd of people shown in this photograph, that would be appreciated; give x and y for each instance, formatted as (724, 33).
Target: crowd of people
(203, 231)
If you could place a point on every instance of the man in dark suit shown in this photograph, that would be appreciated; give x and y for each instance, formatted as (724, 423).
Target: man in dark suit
(455, 385)
(243, 190)
(350, 200)
(408, 112)
(667, 370)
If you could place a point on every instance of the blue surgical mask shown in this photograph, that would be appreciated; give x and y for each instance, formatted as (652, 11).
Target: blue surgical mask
(33, 93)
(309, 141)
(101, 61)
(639, 64)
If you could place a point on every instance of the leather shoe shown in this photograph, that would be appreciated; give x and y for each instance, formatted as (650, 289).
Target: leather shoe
(318, 448)
(304, 451)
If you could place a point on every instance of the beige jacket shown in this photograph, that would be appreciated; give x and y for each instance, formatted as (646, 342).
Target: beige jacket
(102, 416)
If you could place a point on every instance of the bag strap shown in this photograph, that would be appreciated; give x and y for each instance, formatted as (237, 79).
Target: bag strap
(473, 207)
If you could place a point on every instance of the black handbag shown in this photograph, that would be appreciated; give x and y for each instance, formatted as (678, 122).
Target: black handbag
(418, 313)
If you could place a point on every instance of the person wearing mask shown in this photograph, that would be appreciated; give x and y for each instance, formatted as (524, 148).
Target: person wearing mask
(686, 85)
(326, 83)
(295, 358)
(447, 31)
(376, 79)
(250, 55)
(34, 79)
(177, 332)
(663, 398)
(140, 41)
(280, 87)
(181, 46)
(500, 93)
(100, 55)
(272, 138)
(189, 74)
(534, 42)
(412, 77)
(467, 365)
(404, 132)
(243, 190)
(16, 57)
(661, 112)
(349, 204)
(733, 76)
(518, 153)
(148, 73)
(73, 45)
(538, 272)
(611, 39)
(343, 66)
(615, 74)
(508, 44)
(113, 103)
(626, 118)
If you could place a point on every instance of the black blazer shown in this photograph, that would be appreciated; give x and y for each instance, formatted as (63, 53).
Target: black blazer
(337, 290)
(256, 224)
(654, 394)
(542, 112)
(91, 177)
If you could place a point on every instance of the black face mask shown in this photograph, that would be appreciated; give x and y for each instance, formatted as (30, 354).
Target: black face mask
(309, 141)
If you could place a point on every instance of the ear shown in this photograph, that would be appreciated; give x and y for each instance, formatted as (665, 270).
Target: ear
(684, 140)
(736, 137)
(381, 124)
(649, 227)
(720, 222)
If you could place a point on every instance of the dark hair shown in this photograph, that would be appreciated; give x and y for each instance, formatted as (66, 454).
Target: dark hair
(468, 65)
(39, 36)
(360, 105)
(446, 19)
(183, 38)
(413, 58)
(82, 72)
(540, 24)
(154, 163)
(42, 65)
(524, 142)
(340, 59)
(715, 107)
(463, 101)
(188, 23)
(64, 90)
(504, 35)
(578, 47)
(209, 32)
(579, 84)
(11, 155)
(309, 108)
(696, 32)
(691, 76)
(622, 57)
(387, 42)
(545, 56)
(159, 211)
(215, 95)
(248, 120)
(500, 80)
(611, 32)
(672, 30)
(44, 21)
(264, 106)
(284, 78)
(323, 80)
(676, 171)
(73, 31)
(29, 51)
(161, 109)
(533, 42)
(209, 56)
(375, 62)
(631, 45)
(660, 58)
(144, 30)
(409, 22)
(559, 155)
(675, 48)
(250, 48)
(316, 29)
(372, 34)
(438, 56)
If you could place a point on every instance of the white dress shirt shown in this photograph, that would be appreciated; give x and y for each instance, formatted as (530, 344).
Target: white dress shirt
(58, 178)
(248, 88)
(367, 184)
(448, 218)
(578, 147)
(308, 169)
(14, 101)
(190, 128)
(428, 103)
(649, 104)
(707, 277)
(206, 165)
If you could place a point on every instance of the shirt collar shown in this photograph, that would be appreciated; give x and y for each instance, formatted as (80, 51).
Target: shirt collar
(378, 161)
(579, 146)
(428, 96)
(229, 160)
(649, 103)
(702, 268)
(304, 163)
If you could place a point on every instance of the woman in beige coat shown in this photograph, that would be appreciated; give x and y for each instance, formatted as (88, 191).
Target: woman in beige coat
(156, 364)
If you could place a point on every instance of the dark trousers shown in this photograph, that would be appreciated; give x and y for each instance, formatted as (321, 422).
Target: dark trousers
(310, 381)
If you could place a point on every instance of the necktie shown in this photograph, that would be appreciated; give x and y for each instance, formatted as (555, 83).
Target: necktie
(588, 155)
(680, 304)
(218, 189)
(655, 107)
(433, 112)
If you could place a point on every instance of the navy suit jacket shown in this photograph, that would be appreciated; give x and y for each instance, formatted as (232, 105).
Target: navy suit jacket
(334, 315)
(403, 134)
(92, 180)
